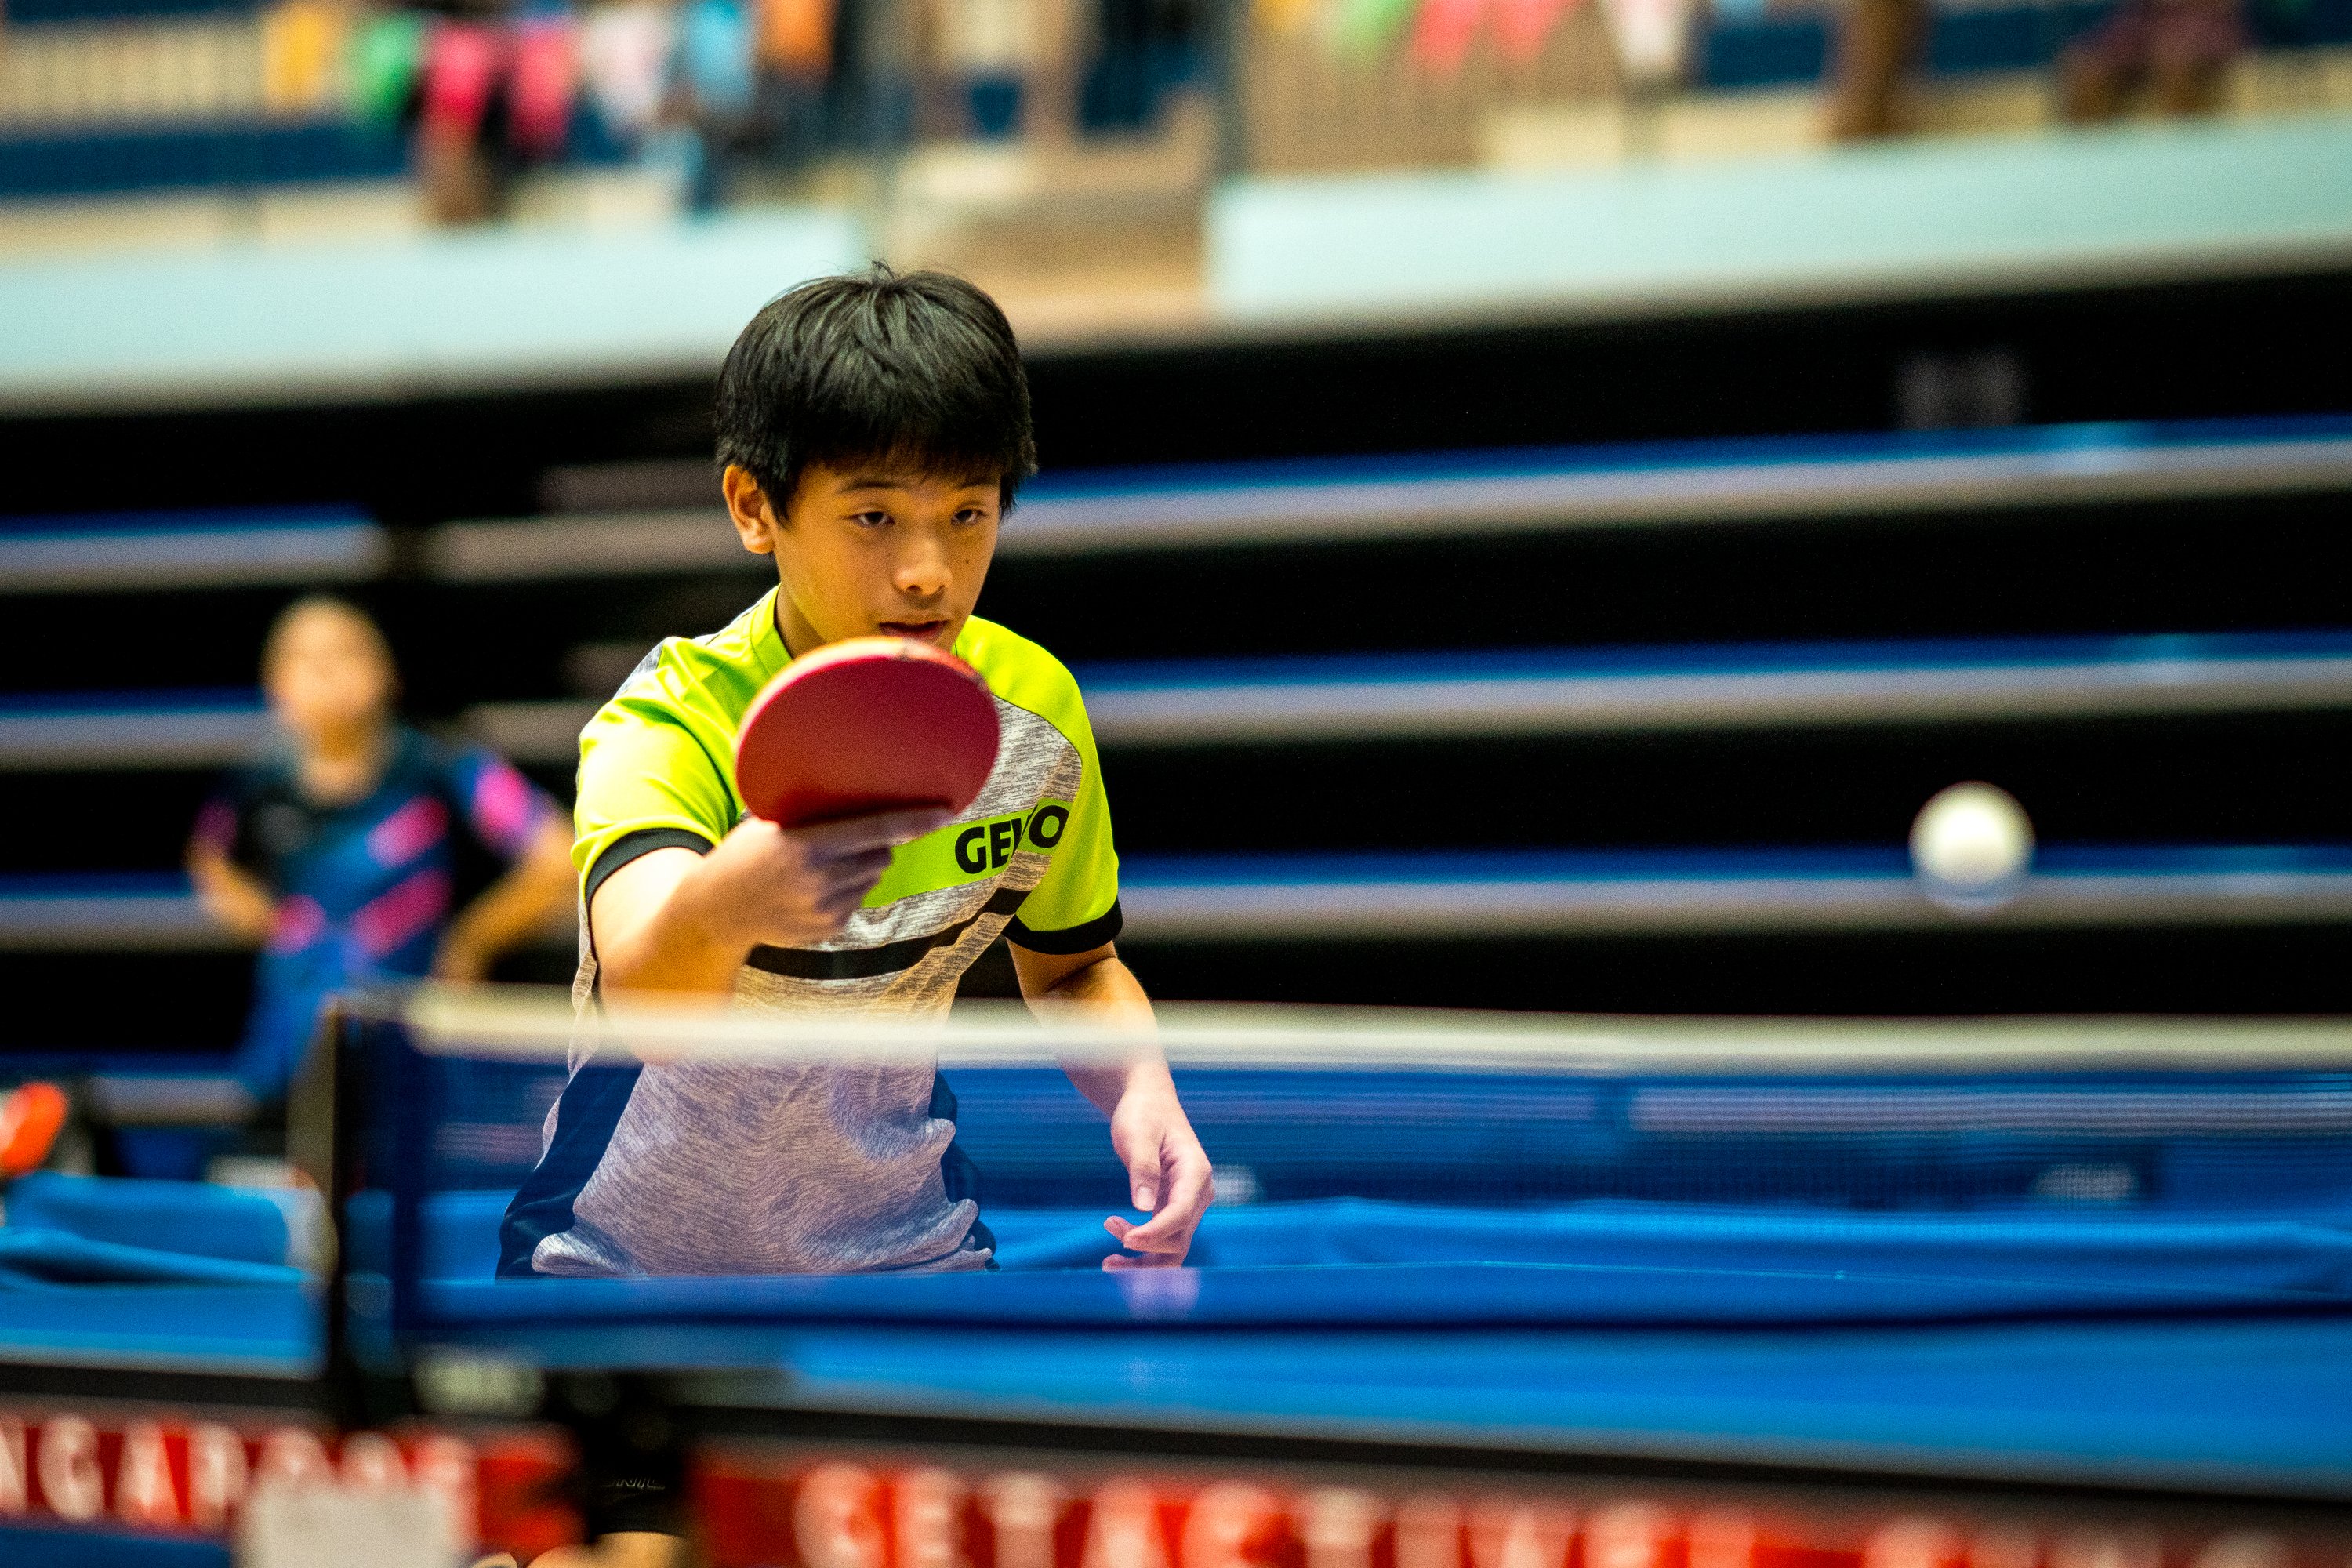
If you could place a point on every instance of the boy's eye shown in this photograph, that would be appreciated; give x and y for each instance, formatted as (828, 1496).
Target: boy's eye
(971, 515)
(871, 519)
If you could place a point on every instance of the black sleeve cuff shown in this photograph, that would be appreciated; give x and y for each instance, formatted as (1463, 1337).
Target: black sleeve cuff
(630, 846)
(1077, 939)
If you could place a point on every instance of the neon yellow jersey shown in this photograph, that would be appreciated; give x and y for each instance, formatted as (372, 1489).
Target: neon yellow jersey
(1030, 858)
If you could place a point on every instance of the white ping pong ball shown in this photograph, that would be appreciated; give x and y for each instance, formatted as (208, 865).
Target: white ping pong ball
(1971, 845)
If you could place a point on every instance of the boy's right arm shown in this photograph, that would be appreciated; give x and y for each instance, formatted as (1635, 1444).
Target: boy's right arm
(679, 921)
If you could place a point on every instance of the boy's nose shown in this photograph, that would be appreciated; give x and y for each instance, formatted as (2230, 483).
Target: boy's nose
(923, 570)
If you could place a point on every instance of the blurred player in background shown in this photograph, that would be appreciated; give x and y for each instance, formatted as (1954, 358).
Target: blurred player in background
(341, 853)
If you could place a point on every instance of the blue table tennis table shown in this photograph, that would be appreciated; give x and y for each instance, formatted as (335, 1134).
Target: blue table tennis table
(2116, 1282)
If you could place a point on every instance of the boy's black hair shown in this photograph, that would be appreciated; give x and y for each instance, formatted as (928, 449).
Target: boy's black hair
(916, 367)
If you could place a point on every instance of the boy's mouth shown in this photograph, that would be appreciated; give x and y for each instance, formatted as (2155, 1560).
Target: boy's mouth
(921, 631)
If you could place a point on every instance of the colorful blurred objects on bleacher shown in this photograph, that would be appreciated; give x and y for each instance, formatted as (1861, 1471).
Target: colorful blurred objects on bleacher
(726, 100)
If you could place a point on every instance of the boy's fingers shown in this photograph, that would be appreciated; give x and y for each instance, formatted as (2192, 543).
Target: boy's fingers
(1118, 1260)
(1168, 1232)
(1171, 1230)
(859, 871)
(1194, 1184)
(1143, 1181)
(1119, 1263)
(856, 863)
(839, 906)
(830, 840)
(853, 876)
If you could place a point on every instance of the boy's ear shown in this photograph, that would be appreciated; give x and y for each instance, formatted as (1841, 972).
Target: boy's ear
(755, 521)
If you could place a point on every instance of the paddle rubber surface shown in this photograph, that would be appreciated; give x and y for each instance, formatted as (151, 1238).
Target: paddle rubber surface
(865, 725)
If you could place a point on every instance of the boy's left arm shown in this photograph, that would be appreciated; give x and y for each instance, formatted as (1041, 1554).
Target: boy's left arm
(1167, 1172)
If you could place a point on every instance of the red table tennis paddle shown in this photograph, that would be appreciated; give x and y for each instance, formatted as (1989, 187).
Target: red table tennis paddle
(865, 725)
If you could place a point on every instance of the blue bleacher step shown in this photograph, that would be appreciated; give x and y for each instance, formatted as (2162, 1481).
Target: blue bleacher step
(1491, 893)
(1699, 687)
(1628, 691)
(178, 551)
(1436, 495)
(140, 731)
(1654, 483)
(1560, 893)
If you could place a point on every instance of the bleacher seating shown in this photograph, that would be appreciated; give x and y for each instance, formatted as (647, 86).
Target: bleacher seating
(111, 97)
(1438, 756)
(1427, 495)
(1453, 896)
(168, 551)
(227, 155)
(1326, 698)
(37, 13)
(1791, 48)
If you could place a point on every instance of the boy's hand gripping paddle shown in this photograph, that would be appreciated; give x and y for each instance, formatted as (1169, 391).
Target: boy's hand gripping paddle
(865, 725)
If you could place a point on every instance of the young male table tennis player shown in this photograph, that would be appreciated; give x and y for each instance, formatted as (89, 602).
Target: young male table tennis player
(872, 429)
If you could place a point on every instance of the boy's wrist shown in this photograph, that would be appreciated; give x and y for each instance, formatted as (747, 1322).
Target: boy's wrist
(1147, 1076)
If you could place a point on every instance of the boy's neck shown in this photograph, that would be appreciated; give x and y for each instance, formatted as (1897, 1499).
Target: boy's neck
(800, 637)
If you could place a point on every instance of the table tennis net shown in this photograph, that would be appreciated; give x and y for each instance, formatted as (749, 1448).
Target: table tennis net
(1512, 1110)
(1428, 1169)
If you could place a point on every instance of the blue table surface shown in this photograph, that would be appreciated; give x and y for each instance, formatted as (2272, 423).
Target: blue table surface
(2249, 1394)
(2248, 1402)
(1874, 1284)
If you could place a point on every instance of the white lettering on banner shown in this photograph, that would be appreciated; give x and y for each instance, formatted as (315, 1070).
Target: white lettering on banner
(16, 1481)
(148, 1473)
(144, 1492)
(449, 1468)
(834, 1520)
(218, 1474)
(68, 1468)
(1627, 1535)
(1428, 1532)
(1124, 1528)
(1720, 1539)
(1338, 1524)
(1223, 1523)
(2247, 1548)
(1915, 1542)
(372, 1463)
(1021, 1507)
(874, 1514)
(2096, 1549)
(292, 1456)
(2004, 1549)
(1512, 1534)
(928, 1519)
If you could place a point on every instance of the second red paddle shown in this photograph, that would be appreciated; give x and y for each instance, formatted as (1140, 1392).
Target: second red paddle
(866, 725)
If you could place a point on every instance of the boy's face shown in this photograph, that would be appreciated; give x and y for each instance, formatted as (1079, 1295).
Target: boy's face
(876, 549)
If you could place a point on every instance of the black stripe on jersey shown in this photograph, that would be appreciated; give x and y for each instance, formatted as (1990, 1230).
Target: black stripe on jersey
(865, 962)
(630, 846)
(1075, 939)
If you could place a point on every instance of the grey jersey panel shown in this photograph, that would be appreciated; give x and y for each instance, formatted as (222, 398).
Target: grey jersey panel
(728, 1168)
